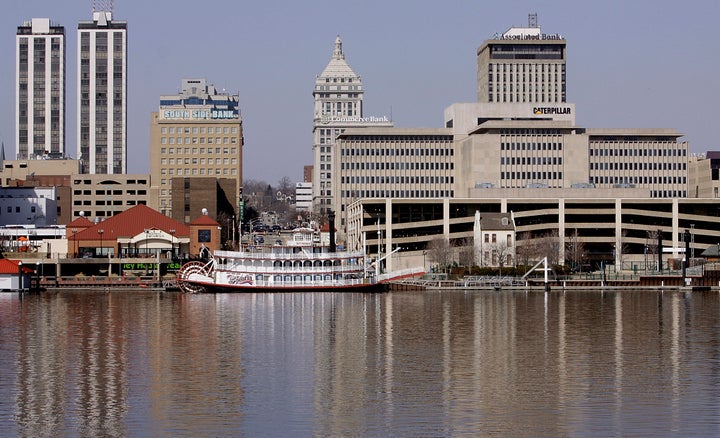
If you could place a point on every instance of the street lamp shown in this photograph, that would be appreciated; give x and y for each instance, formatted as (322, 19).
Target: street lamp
(100, 232)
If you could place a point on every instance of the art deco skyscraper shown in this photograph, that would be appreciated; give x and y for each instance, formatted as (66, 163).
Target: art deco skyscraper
(338, 98)
(102, 94)
(40, 89)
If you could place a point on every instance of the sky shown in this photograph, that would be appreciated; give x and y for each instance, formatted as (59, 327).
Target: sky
(630, 64)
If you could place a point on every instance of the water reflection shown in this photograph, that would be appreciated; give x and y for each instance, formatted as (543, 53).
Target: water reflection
(402, 364)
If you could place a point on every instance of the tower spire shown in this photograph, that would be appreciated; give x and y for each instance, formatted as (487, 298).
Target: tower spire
(338, 53)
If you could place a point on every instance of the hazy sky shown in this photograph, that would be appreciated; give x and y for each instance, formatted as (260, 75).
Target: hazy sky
(639, 64)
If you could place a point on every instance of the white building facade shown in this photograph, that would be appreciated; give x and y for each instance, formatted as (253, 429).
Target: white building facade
(102, 94)
(40, 89)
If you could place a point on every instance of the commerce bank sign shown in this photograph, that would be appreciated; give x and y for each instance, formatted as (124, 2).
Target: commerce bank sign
(199, 114)
(353, 119)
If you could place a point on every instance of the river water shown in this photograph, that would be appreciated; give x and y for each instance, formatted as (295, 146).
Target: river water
(406, 364)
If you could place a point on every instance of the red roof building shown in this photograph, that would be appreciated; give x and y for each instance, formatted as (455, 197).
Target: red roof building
(137, 231)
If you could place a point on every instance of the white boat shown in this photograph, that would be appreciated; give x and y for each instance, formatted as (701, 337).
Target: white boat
(300, 265)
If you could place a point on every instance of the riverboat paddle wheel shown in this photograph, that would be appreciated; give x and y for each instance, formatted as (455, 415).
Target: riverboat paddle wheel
(188, 269)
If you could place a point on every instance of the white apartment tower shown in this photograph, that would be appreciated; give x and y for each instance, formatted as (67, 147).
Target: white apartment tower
(338, 96)
(40, 89)
(102, 94)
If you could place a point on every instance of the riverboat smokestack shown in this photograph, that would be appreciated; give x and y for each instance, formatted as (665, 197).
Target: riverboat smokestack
(331, 219)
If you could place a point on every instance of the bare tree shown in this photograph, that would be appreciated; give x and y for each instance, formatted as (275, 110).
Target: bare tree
(526, 248)
(466, 252)
(502, 250)
(651, 248)
(440, 252)
(549, 246)
(575, 248)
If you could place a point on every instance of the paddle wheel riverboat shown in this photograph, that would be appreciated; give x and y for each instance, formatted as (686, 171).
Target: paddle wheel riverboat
(297, 266)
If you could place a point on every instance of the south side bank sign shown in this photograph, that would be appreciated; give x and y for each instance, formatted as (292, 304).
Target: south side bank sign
(199, 114)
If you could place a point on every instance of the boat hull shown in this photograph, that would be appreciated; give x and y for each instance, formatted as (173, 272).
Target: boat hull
(210, 287)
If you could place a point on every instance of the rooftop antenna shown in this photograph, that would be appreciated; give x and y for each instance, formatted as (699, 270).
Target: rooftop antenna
(102, 5)
(532, 20)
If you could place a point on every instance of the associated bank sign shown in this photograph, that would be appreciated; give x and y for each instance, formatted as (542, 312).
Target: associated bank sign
(354, 119)
(199, 114)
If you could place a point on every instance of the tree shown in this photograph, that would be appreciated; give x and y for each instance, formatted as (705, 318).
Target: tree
(502, 250)
(651, 248)
(466, 253)
(549, 246)
(575, 248)
(440, 252)
(526, 248)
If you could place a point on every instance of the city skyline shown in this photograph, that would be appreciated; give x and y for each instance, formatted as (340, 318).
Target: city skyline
(639, 65)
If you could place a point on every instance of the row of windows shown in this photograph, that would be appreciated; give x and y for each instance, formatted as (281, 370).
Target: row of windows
(194, 140)
(398, 194)
(531, 146)
(556, 161)
(533, 176)
(338, 95)
(172, 151)
(396, 166)
(530, 68)
(196, 130)
(638, 179)
(400, 152)
(398, 180)
(90, 182)
(342, 80)
(33, 209)
(644, 152)
(530, 131)
(539, 78)
(553, 97)
(668, 194)
(110, 192)
(196, 171)
(638, 166)
(201, 161)
(88, 203)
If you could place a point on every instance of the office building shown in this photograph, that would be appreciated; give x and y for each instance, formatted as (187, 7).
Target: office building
(522, 65)
(338, 96)
(100, 196)
(393, 163)
(303, 196)
(196, 133)
(40, 89)
(102, 94)
(704, 175)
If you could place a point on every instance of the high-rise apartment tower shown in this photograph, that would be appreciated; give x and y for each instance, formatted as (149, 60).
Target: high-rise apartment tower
(102, 94)
(40, 89)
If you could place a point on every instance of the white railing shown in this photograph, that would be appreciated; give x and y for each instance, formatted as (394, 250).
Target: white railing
(311, 256)
(288, 270)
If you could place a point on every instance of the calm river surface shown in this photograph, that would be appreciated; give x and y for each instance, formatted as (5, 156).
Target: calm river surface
(139, 363)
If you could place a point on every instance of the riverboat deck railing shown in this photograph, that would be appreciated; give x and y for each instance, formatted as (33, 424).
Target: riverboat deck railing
(311, 256)
(287, 270)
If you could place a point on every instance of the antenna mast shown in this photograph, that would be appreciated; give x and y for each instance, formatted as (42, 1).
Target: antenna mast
(102, 5)
(532, 20)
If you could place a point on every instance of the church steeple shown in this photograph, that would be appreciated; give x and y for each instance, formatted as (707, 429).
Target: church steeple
(338, 53)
